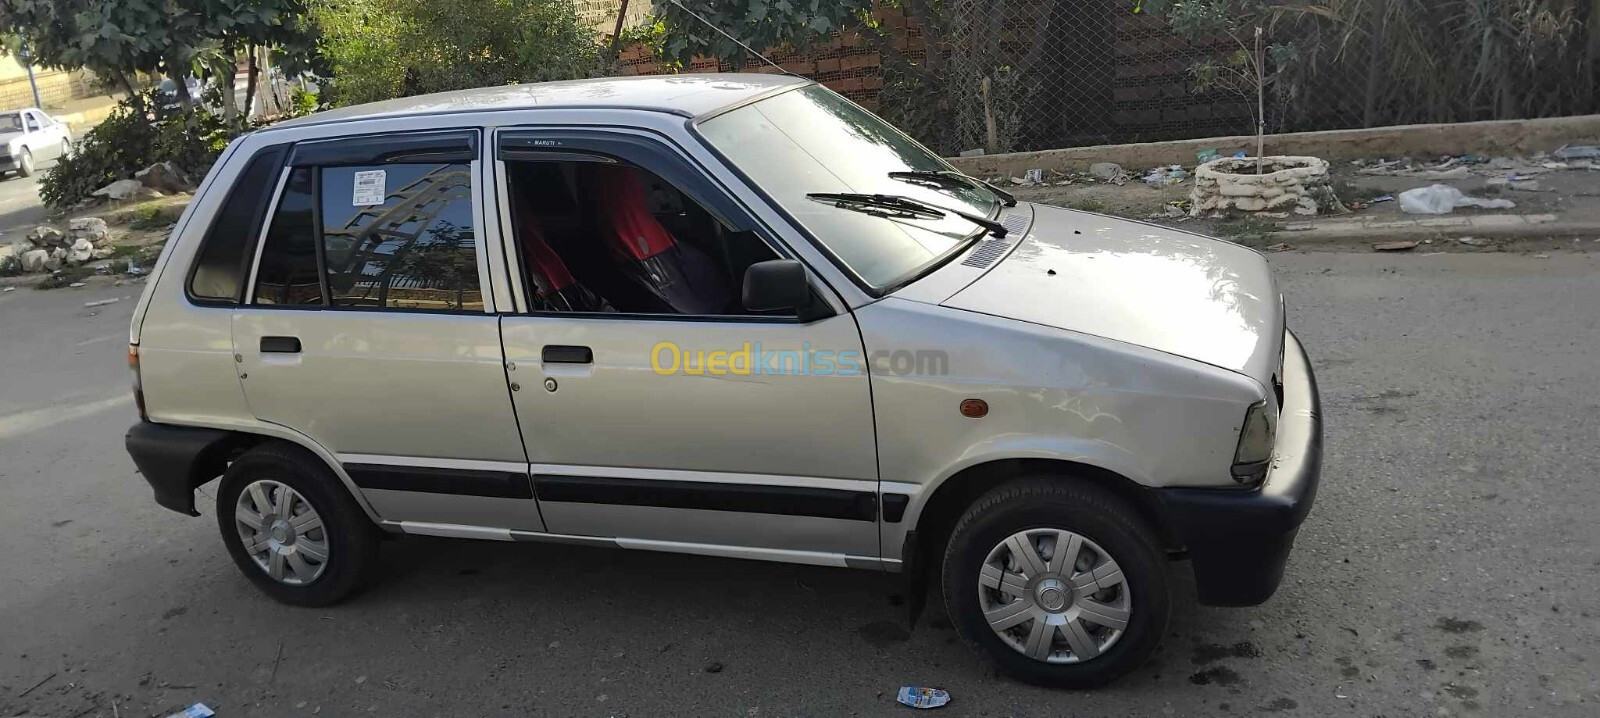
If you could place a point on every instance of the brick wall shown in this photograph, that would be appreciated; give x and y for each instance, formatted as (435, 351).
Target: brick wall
(55, 88)
(846, 63)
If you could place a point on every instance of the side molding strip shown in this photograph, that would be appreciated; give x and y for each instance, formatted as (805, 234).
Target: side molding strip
(432, 480)
(748, 498)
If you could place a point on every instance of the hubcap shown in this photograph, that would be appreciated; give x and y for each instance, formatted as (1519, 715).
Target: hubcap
(1054, 596)
(281, 532)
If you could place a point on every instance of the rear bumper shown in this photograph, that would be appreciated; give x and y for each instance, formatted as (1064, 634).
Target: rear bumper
(176, 459)
(1239, 541)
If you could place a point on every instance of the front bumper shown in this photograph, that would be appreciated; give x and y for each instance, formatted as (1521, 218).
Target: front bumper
(7, 163)
(176, 459)
(1239, 541)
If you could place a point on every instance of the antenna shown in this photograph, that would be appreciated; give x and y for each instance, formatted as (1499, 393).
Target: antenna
(735, 40)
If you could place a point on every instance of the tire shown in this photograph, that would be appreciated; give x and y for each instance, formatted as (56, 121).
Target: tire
(336, 545)
(25, 163)
(1058, 614)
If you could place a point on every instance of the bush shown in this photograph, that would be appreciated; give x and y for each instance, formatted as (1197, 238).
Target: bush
(302, 102)
(137, 134)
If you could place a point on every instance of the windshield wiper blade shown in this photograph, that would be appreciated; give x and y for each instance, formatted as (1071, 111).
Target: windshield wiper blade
(951, 178)
(904, 206)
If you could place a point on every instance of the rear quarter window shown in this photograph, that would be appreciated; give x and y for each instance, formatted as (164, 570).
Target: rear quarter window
(223, 263)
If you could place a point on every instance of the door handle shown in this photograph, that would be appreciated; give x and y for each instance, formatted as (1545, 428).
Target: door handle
(566, 354)
(280, 345)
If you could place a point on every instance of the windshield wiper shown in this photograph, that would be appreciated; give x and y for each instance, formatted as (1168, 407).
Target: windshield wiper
(951, 178)
(893, 205)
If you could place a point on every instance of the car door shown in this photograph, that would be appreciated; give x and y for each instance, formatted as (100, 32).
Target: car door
(44, 139)
(366, 328)
(741, 445)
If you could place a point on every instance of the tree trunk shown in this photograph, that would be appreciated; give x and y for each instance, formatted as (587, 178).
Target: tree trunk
(1377, 44)
(184, 100)
(1588, 17)
(250, 83)
(225, 77)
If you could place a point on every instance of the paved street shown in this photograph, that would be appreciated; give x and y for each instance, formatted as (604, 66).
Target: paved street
(1450, 566)
(19, 204)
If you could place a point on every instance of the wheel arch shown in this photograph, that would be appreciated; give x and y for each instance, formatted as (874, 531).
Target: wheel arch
(951, 497)
(213, 459)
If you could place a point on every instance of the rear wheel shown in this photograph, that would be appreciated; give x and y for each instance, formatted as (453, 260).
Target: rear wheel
(292, 528)
(1060, 583)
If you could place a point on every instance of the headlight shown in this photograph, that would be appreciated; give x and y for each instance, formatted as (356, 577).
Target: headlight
(1256, 438)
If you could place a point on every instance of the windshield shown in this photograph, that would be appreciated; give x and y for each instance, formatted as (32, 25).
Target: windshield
(813, 140)
(10, 121)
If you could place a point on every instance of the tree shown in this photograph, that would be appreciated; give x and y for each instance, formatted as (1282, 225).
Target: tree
(113, 39)
(761, 25)
(379, 49)
(178, 38)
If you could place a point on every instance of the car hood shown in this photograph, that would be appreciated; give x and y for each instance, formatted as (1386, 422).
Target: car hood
(9, 135)
(1157, 287)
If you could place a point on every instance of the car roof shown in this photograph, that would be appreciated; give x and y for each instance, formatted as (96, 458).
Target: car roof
(687, 95)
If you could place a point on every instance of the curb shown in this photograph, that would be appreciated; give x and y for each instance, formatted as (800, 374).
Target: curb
(1488, 226)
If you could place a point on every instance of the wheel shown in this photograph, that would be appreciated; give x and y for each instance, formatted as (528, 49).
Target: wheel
(66, 149)
(25, 163)
(292, 528)
(1060, 583)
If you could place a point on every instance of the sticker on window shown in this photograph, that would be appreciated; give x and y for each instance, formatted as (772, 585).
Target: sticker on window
(369, 189)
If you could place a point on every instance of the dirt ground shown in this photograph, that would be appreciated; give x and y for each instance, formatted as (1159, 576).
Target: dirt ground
(1572, 194)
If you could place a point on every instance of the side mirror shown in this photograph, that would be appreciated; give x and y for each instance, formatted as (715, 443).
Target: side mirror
(776, 285)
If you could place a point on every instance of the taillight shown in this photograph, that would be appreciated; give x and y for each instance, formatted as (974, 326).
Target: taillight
(138, 387)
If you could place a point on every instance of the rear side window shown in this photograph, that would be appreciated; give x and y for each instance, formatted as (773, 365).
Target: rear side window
(400, 236)
(222, 264)
(387, 236)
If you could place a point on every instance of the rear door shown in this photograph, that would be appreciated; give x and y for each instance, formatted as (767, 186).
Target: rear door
(366, 328)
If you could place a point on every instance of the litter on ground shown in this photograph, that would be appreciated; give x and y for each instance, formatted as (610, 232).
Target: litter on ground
(919, 697)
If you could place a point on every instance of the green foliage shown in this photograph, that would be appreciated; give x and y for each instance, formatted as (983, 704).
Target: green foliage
(302, 102)
(133, 137)
(757, 23)
(117, 38)
(379, 49)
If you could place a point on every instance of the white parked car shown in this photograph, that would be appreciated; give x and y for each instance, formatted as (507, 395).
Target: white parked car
(28, 137)
(730, 315)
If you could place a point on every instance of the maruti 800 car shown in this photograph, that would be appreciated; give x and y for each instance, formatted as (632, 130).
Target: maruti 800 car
(729, 315)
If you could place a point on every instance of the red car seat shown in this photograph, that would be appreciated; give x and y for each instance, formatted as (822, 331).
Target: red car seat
(678, 275)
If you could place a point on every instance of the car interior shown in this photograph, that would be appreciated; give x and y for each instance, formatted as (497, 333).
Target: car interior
(610, 237)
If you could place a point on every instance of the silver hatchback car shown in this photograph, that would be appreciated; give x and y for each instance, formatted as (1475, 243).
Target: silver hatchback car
(729, 315)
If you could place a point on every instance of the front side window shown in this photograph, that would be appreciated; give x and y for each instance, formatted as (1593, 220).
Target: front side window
(390, 236)
(813, 140)
(606, 236)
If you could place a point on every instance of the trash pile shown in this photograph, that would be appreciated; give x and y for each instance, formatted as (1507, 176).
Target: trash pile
(1098, 173)
(1507, 173)
(47, 249)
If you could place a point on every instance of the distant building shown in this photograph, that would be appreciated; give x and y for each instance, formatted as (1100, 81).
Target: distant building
(601, 15)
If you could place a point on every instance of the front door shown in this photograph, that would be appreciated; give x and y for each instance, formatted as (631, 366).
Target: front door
(653, 407)
(365, 329)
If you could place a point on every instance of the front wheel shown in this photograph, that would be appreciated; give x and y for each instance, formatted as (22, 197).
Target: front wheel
(25, 163)
(1060, 583)
(292, 528)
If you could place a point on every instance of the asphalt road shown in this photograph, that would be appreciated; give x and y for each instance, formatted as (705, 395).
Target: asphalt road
(1450, 566)
(19, 204)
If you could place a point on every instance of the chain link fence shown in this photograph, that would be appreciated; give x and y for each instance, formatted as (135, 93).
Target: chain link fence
(1016, 75)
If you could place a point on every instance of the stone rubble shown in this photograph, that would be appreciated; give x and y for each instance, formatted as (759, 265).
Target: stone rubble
(1298, 184)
